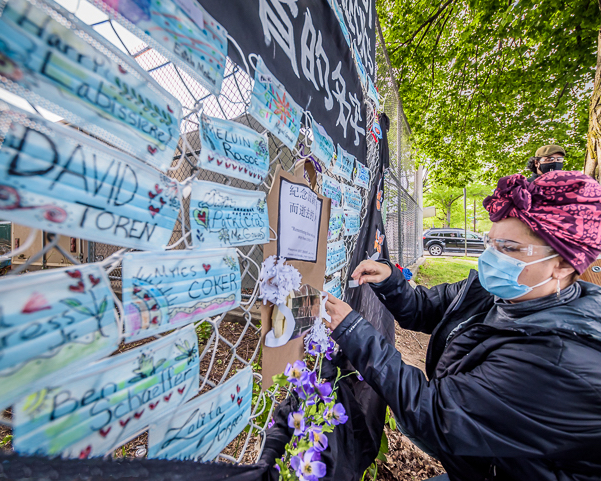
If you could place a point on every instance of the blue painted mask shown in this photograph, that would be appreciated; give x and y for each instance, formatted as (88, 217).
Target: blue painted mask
(336, 223)
(87, 80)
(202, 428)
(352, 222)
(344, 164)
(335, 257)
(332, 189)
(200, 50)
(323, 145)
(352, 198)
(52, 322)
(499, 273)
(273, 107)
(62, 181)
(106, 403)
(233, 149)
(161, 293)
(223, 216)
(333, 287)
(362, 175)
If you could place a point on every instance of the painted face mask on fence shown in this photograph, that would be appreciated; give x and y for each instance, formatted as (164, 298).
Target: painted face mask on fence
(499, 273)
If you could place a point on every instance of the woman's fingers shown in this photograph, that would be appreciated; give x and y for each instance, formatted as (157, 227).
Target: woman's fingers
(371, 271)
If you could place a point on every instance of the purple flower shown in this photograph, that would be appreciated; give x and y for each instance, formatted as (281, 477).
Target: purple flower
(296, 420)
(324, 390)
(318, 438)
(329, 350)
(271, 423)
(296, 372)
(313, 348)
(360, 377)
(336, 415)
(306, 466)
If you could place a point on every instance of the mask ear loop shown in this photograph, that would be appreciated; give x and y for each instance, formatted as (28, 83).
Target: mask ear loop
(242, 56)
(248, 258)
(274, 233)
(118, 310)
(187, 148)
(47, 248)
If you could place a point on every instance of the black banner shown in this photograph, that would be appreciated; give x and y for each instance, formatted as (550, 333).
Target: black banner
(302, 44)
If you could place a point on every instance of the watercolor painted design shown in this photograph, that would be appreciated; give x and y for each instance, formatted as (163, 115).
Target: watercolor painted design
(332, 189)
(352, 222)
(177, 288)
(233, 149)
(273, 107)
(203, 427)
(334, 287)
(200, 50)
(323, 146)
(86, 80)
(336, 223)
(379, 241)
(62, 181)
(361, 175)
(352, 198)
(344, 164)
(52, 323)
(335, 257)
(223, 216)
(109, 402)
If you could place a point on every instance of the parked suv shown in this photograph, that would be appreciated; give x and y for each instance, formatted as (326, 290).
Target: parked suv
(437, 241)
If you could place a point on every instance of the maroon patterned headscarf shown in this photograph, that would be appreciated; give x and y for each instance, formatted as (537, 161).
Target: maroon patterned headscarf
(562, 208)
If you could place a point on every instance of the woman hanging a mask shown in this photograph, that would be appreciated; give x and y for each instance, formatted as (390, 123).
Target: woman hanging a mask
(514, 360)
(546, 159)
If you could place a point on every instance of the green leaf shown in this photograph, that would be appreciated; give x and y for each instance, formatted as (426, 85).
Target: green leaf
(280, 379)
(77, 306)
(102, 308)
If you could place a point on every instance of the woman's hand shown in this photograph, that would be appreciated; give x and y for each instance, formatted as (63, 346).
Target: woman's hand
(337, 310)
(371, 271)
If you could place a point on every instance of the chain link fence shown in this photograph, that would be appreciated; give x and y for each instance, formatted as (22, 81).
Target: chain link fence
(403, 209)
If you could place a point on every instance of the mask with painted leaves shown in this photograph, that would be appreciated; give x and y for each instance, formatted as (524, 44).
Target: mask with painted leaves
(273, 107)
(62, 181)
(56, 61)
(106, 403)
(336, 223)
(223, 216)
(332, 189)
(233, 149)
(51, 323)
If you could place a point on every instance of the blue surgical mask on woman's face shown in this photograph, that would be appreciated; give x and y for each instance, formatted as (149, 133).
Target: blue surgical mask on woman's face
(499, 273)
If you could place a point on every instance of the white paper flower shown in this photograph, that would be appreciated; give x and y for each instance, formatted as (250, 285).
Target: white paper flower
(277, 279)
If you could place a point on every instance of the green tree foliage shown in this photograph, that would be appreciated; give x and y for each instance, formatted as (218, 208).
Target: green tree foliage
(449, 206)
(484, 82)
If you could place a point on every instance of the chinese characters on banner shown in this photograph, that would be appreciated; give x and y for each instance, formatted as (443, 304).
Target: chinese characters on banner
(161, 293)
(63, 181)
(301, 43)
(299, 220)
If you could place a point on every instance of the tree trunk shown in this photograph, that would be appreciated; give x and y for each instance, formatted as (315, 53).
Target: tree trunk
(448, 222)
(593, 145)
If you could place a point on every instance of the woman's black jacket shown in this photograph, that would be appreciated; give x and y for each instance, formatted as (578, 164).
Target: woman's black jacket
(519, 399)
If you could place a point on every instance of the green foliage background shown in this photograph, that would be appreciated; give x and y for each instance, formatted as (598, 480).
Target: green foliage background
(486, 82)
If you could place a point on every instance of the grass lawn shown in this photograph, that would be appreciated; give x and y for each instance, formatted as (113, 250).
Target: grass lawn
(437, 270)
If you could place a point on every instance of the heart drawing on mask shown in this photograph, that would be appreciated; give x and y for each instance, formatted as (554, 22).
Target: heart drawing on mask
(153, 210)
(181, 390)
(167, 398)
(152, 149)
(104, 432)
(207, 268)
(152, 406)
(201, 216)
(85, 452)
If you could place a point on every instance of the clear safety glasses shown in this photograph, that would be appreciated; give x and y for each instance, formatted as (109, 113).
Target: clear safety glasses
(512, 248)
(548, 160)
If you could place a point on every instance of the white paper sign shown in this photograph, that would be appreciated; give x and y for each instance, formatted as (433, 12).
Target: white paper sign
(299, 219)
